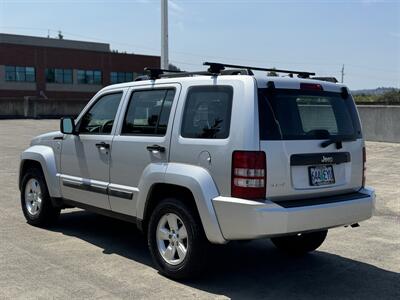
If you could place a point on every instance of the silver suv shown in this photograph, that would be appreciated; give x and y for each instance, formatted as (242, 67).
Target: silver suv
(207, 157)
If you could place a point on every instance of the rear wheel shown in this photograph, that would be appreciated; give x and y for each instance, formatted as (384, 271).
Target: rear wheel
(35, 199)
(300, 243)
(176, 239)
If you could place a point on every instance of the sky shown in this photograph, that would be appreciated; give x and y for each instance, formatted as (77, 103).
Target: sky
(319, 36)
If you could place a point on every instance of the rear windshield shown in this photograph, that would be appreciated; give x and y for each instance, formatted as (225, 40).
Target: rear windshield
(306, 115)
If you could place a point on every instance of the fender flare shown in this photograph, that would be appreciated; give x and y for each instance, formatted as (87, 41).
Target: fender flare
(45, 156)
(197, 179)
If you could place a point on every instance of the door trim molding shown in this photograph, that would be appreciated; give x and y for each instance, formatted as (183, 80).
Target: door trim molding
(115, 190)
(85, 186)
(120, 193)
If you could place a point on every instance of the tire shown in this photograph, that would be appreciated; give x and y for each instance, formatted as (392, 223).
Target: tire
(300, 243)
(34, 190)
(161, 236)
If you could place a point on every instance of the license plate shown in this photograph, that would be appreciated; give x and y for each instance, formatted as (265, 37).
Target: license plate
(321, 175)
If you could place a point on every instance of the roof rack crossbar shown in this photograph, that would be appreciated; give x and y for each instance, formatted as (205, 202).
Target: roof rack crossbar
(155, 73)
(218, 67)
(183, 74)
(208, 73)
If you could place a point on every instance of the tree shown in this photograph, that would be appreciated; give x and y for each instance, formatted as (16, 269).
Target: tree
(390, 97)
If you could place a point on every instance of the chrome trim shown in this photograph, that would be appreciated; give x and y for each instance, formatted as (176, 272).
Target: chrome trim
(85, 186)
(120, 194)
(114, 190)
(122, 191)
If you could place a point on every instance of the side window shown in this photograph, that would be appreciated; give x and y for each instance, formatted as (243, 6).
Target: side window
(100, 117)
(207, 112)
(148, 112)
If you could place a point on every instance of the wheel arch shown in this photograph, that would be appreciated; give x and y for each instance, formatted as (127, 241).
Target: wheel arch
(191, 182)
(43, 157)
(159, 191)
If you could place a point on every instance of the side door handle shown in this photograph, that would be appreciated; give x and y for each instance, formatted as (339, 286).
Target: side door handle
(103, 145)
(156, 148)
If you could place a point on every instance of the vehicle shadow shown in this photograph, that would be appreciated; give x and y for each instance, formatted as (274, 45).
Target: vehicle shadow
(249, 270)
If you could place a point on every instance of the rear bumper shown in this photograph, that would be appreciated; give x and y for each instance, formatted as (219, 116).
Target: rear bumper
(247, 219)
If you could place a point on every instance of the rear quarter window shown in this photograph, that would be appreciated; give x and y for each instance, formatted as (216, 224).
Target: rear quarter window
(207, 112)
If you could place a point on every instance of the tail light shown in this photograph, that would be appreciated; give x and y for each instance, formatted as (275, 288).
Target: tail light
(364, 166)
(249, 174)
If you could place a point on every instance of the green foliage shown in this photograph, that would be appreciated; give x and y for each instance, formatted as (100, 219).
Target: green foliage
(391, 97)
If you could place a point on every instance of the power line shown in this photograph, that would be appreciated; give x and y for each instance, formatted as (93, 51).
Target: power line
(203, 56)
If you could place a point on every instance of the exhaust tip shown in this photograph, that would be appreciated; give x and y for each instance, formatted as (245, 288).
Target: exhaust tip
(355, 225)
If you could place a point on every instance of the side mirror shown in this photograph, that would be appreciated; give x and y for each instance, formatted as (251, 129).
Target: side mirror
(67, 126)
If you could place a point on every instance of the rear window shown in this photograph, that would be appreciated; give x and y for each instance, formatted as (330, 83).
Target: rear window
(306, 115)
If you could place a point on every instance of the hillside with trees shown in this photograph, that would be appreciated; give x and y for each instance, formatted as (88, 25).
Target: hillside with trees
(388, 96)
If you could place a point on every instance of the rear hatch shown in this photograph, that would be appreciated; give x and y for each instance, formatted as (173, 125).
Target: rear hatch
(312, 140)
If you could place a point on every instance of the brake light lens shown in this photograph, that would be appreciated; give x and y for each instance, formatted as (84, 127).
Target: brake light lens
(364, 166)
(249, 174)
(311, 86)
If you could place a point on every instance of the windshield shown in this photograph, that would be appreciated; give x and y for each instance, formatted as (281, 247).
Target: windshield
(301, 115)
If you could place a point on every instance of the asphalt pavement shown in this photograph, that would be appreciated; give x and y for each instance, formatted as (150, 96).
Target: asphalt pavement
(87, 256)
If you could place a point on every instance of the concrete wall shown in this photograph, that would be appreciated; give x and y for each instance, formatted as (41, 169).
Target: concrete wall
(40, 108)
(380, 123)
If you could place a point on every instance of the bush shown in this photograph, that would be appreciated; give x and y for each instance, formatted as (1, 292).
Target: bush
(391, 97)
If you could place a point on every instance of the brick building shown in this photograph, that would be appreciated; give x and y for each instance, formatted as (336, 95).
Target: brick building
(39, 68)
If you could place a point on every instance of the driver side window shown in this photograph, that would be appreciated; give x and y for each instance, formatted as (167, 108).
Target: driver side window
(100, 117)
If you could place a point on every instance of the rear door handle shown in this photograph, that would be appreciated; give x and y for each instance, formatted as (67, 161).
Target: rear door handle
(103, 145)
(156, 148)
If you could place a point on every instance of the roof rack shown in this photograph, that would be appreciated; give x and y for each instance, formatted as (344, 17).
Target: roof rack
(223, 72)
(155, 73)
(216, 68)
(184, 74)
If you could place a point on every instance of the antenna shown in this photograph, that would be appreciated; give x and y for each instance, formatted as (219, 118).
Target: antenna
(342, 73)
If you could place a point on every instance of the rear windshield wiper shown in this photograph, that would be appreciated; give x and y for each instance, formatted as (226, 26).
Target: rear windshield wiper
(337, 141)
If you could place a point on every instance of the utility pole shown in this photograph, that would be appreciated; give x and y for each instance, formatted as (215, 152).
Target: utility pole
(164, 34)
(342, 73)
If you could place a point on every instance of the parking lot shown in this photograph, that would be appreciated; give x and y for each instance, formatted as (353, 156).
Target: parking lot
(91, 256)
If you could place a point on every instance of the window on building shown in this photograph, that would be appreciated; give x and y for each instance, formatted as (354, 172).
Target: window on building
(117, 77)
(59, 75)
(21, 74)
(89, 77)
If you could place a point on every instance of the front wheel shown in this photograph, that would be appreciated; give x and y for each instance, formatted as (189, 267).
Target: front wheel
(176, 239)
(300, 243)
(35, 199)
